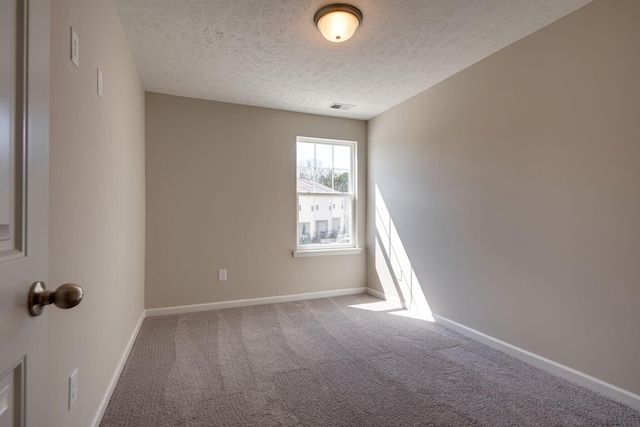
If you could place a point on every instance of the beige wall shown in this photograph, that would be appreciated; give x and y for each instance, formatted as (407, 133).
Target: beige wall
(96, 204)
(514, 187)
(221, 194)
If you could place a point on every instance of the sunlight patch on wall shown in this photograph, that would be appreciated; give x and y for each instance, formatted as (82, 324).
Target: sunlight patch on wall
(394, 269)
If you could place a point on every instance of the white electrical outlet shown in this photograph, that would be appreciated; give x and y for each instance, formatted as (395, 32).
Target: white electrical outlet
(75, 48)
(222, 275)
(73, 388)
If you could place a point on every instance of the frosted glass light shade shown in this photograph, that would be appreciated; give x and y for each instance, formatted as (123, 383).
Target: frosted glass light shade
(337, 23)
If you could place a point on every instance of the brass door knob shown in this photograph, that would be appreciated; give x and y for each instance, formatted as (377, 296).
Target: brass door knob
(66, 296)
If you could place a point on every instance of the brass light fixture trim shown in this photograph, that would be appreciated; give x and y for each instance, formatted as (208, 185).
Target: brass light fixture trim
(339, 23)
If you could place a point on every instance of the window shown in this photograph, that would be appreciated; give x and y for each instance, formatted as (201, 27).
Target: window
(325, 175)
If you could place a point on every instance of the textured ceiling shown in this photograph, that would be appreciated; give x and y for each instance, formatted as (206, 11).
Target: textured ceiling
(268, 53)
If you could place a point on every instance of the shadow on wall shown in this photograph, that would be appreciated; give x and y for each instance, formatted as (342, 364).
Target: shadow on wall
(394, 270)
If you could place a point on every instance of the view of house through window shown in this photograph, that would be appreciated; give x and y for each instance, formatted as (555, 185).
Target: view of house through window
(326, 201)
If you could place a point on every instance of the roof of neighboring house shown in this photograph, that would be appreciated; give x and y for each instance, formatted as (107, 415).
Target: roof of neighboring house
(306, 186)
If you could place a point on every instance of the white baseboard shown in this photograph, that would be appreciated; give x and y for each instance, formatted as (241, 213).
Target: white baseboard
(253, 301)
(116, 374)
(377, 294)
(580, 378)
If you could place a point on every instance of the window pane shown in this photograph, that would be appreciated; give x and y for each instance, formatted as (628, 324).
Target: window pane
(324, 156)
(342, 157)
(341, 181)
(305, 163)
(324, 177)
(305, 152)
(319, 223)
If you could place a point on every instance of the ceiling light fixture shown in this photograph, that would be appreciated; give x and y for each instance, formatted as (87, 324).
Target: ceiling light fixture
(338, 22)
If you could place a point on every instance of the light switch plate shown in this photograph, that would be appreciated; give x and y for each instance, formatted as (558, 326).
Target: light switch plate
(75, 48)
(73, 388)
(99, 83)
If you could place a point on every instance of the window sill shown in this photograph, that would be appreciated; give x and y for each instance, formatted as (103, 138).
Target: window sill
(325, 252)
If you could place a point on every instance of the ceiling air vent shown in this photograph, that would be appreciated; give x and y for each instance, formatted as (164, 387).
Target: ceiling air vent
(339, 106)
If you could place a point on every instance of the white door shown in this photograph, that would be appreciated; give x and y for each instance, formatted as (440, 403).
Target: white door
(24, 159)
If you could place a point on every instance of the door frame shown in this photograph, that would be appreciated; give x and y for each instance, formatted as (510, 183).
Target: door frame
(37, 199)
(24, 338)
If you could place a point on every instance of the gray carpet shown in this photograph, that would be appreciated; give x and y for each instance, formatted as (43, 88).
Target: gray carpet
(323, 363)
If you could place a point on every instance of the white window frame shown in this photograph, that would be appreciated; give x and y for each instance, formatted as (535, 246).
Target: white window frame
(330, 249)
